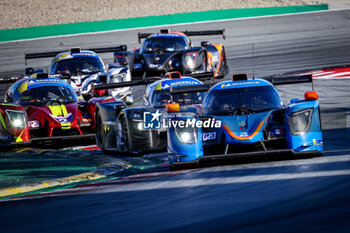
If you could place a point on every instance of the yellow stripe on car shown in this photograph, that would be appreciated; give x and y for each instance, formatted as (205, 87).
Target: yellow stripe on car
(6, 104)
(158, 87)
(19, 138)
(66, 125)
(3, 122)
(23, 87)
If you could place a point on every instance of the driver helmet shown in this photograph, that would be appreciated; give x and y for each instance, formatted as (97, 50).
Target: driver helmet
(163, 99)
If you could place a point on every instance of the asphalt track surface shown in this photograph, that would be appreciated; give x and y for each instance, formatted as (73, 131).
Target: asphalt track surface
(310, 195)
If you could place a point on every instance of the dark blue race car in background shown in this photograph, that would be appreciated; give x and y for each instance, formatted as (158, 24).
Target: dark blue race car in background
(241, 118)
(124, 129)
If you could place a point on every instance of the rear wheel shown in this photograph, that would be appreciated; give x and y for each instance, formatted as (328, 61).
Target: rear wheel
(223, 67)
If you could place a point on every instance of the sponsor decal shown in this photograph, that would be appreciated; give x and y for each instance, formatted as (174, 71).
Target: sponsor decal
(49, 80)
(154, 65)
(63, 119)
(61, 115)
(152, 120)
(243, 124)
(166, 35)
(318, 142)
(64, 56)
(209, 136)
(137, 66)
(278, 131)
(166, 85)
(238, 83)
(5, 137)
(33, 124)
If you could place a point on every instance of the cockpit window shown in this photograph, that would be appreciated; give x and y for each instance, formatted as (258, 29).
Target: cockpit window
(42, 95)
(240, 101)
(163, 45)
(161, 98)
(77, 66)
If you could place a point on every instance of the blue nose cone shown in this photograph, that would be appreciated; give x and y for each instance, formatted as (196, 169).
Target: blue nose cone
(244, 129)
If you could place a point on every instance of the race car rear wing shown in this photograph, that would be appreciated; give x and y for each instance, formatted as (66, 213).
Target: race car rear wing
(274, 80)
(124, 84)
(54, 53)
(9, 79)
(283, 80)
(200, 76)
(190, 89)
(4, 80)
(187, 33)
(203, 76)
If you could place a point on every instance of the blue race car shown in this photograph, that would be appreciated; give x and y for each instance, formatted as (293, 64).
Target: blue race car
(241, 118)
(140, 129)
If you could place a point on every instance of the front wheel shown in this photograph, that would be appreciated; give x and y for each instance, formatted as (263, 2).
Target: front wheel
(223, 66)
(100, 134)
(125, 134)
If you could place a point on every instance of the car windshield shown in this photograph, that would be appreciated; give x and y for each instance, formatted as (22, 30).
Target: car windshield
(239, 101)
(163, 44)
(77, 66)
(161, 98)
(40, 96)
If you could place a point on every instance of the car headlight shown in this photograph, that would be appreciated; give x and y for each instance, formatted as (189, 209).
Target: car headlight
(190, 59)
(140, 126)
(16, 118)
(300, 121)
(136, 115)
(186, 135)
(117, 78)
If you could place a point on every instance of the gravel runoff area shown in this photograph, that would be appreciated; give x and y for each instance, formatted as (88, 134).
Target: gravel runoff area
(28, 13)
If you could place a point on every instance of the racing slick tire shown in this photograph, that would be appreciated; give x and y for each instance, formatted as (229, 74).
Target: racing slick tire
(223, 67)
(125, 133)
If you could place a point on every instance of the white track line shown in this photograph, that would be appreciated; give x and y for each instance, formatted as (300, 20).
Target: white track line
(170, 25)
(190, 183)
(289, 163)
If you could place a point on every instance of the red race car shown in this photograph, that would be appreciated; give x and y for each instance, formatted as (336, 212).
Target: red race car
(42, 110)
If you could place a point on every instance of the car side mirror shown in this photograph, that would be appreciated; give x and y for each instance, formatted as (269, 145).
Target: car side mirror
(293, 101)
